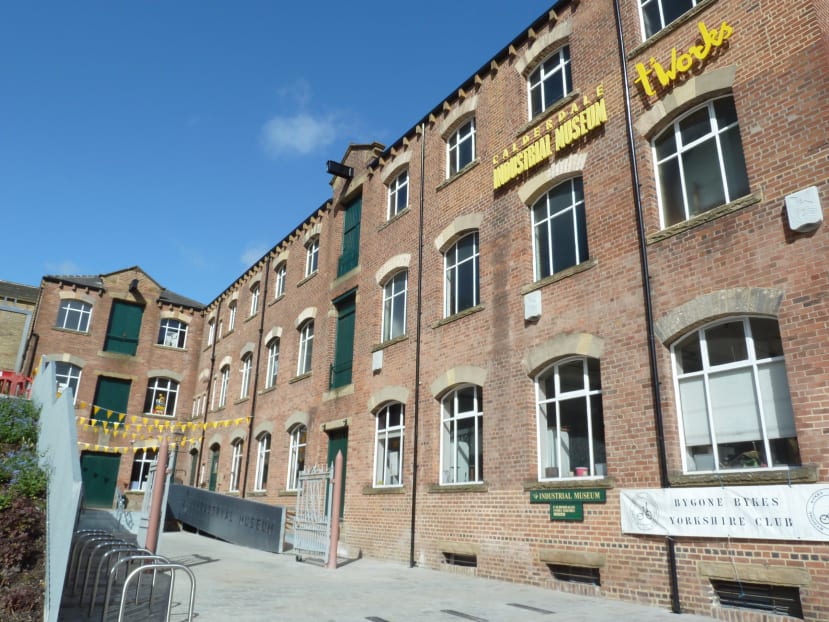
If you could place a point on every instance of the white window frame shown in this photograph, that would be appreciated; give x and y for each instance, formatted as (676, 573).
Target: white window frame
(247, 364)
(398, 195)
(543, 228)
(681, 154)
(273, 363)
(263, 456)
(452, 285)
(254, 299)
(388, 464)
(74, 315)
(662, 24)
(279, 285)
(306, 348)
(452, 470)
(161, 392)
(211, 331)
(144, 457)
(296, 455)
(235, 464)
(312, 253)
(394, 311)
(67, 375)
(172, 333)
(555, 449)
(718, 391)
(224, 380)
(554, 68)
(231, 318)
(455, 147)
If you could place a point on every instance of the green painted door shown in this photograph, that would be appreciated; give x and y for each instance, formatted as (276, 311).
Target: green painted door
(338, 441)
(99, 472)
(344, 346)
(214, 467)
(351, 237)
(113, 395)
(124, 327)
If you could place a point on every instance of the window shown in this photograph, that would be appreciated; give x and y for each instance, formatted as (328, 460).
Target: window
(388, 452)
(462, 278)
(254, 299)
(559, 229)
(398, 194)
(74, 315)
(273, 363)
(144, 458)
(124, 328)
(350, 256)
(460, 150)
(211, 332)
(247, 362)
(306, 347)
(570, 420)
(263, 456)
(312, 254)
(656, 14)
(220, 329)
(279, 286)
(394, 306)
(699, 162)
(161, 397)
(341, 368)
(461, 452)
(224, 379)
(231, 320)
(235, 464)
(735, 409)
(67, 376)
(550, 82)
(296, 456)
(173, 333)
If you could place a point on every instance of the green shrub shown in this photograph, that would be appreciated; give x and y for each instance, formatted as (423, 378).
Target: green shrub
(18, 421)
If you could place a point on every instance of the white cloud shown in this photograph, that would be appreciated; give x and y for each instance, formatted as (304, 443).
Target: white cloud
(252, 254)
(301, 133)
(63, 268)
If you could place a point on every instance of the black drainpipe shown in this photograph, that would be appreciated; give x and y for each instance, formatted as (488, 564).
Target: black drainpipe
(418, 310)
(646, 289)
(209, 390)
(263, 300)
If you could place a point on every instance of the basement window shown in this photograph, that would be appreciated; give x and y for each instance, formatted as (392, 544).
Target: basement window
(775, 599)
(458, 559)
(575, 574)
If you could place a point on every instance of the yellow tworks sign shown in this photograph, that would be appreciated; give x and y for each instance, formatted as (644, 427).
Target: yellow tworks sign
(556, 133)
(712, 40)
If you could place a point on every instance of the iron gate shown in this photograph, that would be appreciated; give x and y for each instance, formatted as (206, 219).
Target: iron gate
(312, 523)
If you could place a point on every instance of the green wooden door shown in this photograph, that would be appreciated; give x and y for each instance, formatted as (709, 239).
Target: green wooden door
(124, 327)
(338, 441)
(351, 237)
(112, 394)
(214, 467)
(99, 474)
(344, 345)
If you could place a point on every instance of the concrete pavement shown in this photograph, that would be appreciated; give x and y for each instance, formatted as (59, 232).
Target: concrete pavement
(242, 584)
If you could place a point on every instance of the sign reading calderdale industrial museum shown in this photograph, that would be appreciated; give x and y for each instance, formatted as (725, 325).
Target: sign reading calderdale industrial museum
(798, 512)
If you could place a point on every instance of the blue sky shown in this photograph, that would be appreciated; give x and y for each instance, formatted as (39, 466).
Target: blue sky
(189, 137)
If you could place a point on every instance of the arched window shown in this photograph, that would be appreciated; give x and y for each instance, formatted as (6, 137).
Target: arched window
(235, 464)
(273, 363)
(224, 379)
(279, 285)
(550, 81)
(231, 316)
(734, 404)
(388, 446)
(559, 229)
(172, 333)
(296, 455)
(141, 468)
(394, 306)
(306, 348)
(656, 14)
(398, 194)
(162, 394)
(312, 254)
(263, 456)
(67, 376)
(247, 363)
(460, 148)
(74, 315)
(570, 420)
(462, 278)
(461, 440)
(699, 162)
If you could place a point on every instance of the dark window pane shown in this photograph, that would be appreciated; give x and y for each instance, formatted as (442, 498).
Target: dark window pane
(689, 354)
(564, 242)
(466, 296)
(581, 231)
(665, 145)
(725, 112)
(703, 183)
(671, 190)
(594, 375)
(726, 343)
(653, 23)
(735, 164)
(571, 376)
(672, 9)
(695, 126)
(766, 335)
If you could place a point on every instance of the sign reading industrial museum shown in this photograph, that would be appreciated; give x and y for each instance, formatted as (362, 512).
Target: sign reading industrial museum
(568, 503)
(798, 512)
(572, 122)
(682, 62)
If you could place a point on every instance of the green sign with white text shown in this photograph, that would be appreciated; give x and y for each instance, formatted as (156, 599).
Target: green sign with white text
(570, 511)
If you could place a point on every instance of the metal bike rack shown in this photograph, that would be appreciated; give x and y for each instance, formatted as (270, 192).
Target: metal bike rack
(148, 562)
(173, 568)
(107, 560)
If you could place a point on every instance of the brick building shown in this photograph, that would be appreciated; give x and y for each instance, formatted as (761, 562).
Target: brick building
(17, 308)
(566, 329)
